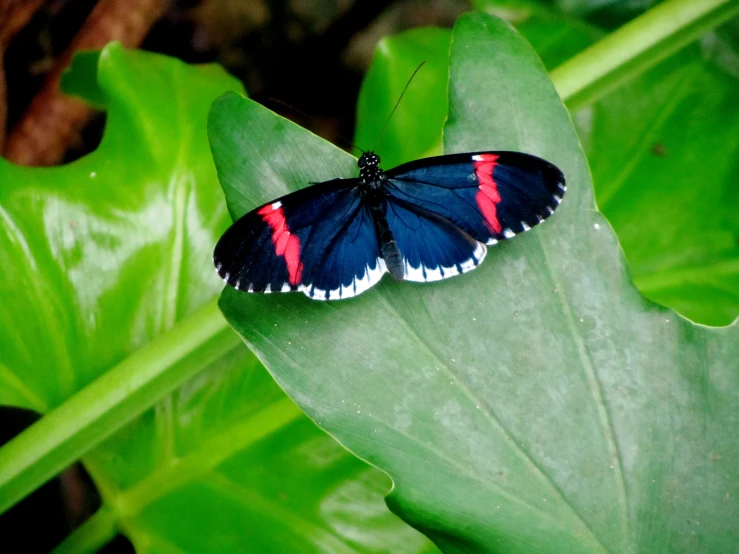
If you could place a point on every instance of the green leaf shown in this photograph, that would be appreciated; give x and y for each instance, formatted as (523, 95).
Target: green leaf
(228, 460)
(637, 46)
(104, 254)
(664, 153)
(107, 303)
(649, 142)
(81, 78)
(424, 106)
(536, 404)
(685, 101)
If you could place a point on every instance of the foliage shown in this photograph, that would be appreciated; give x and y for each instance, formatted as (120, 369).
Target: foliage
(538, 402)
(112, 253)
(419, 380)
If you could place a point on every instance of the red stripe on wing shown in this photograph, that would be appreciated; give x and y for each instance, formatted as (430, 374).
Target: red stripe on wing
(488, 197)
(286, 244)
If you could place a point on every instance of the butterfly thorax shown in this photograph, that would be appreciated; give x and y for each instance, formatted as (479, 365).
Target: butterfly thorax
(370, 173)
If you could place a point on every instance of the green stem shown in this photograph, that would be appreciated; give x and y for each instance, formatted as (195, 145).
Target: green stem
(114, 399)
(637, 46)
(92, 535)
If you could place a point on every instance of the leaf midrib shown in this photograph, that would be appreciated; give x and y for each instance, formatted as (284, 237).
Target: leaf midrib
(478, 405)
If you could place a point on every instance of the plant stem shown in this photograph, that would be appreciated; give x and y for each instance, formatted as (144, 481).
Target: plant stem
(111, 401)
(637, 46)
(92, 535)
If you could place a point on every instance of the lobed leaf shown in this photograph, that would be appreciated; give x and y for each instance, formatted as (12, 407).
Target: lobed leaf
(538, 403)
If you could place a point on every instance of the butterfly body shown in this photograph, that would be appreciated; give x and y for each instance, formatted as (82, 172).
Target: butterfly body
(422, 221)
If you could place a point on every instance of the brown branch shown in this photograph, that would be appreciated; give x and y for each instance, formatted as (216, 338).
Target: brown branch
(14, 14)
(53, 121)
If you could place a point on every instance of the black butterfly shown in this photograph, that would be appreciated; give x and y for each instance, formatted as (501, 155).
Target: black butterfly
(425, 220)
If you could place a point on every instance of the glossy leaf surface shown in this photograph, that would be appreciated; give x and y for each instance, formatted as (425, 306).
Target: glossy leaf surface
(538, 403)
(103, 254)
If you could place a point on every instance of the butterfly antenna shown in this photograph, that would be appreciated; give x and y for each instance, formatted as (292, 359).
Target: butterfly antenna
(396, 105)
(311, 118)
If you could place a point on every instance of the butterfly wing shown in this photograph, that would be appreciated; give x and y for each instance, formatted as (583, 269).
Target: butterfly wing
(489, 195)
(431, 247)
(319, 240)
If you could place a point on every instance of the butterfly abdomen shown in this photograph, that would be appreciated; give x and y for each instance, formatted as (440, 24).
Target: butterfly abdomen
(388, 245)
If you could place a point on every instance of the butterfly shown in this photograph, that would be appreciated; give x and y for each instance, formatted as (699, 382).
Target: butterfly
(425, 220)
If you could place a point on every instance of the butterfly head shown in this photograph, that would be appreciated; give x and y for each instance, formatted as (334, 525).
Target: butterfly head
(369, 167)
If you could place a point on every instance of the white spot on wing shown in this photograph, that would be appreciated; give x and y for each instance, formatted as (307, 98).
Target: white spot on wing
(268, 289)
(362, 283)
(480, 252)
(478, 158)
(348, 291)
(276, 206)
(507, 233)
(557, 199)
(370, 276)
(433, 274)
(286, 287)
(318, 294)
(524, 226)
(227, 276)
(413, 273)
(491, 242)
(237, 284)
(468, 265)
(449, 271)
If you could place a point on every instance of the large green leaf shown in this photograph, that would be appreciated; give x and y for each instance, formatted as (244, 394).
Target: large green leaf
(229, 463)
(101, 255)
(106, 261)
(663, 153)
(536, 404)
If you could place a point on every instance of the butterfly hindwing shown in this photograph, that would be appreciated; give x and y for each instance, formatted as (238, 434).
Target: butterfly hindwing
(342, 254)
(489, 195)
(319, 240)
(432, 247)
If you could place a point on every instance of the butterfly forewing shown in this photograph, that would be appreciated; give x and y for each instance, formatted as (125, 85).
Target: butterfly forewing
(319, 240)
(432, 247)
(489, 195)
